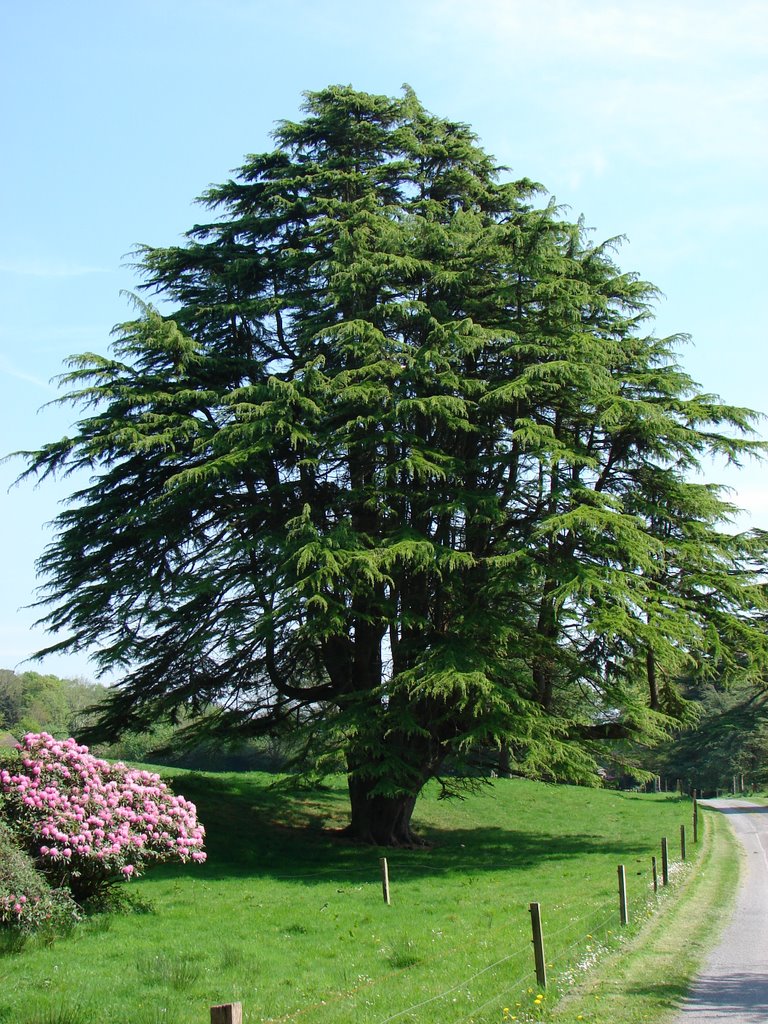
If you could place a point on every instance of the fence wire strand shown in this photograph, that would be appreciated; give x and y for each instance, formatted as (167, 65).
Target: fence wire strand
(500, 996)
(448, 991)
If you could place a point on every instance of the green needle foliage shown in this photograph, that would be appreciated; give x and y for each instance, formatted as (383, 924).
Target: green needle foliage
(400, 469)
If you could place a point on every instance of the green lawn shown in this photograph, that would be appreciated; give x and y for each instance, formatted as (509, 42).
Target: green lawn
(290, 921)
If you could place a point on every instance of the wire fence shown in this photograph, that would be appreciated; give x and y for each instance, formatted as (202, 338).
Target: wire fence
(507, 987)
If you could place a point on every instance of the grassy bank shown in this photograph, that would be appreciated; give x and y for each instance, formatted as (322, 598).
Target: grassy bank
(647, 979)
(288, 919)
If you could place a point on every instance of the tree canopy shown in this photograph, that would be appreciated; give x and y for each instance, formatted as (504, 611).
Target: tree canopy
(399, 464)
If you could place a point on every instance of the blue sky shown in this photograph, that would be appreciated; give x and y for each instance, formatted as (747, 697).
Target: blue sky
(649, 118)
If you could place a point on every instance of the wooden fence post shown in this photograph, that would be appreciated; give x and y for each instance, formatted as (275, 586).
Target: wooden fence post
(227, 1013)
(655, 875)
(623, 912)
(664, 862)
(695, 819)
(538, 945)
(385, 879)
(682, 842)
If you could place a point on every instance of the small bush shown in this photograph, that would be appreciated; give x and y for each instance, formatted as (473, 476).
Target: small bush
(89, 823)
(27, 901)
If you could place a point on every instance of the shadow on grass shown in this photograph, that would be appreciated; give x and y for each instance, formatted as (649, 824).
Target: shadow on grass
(669, 994)
(256, 830)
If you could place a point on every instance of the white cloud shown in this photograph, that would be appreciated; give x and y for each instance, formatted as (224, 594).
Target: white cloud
(681, 116)
(752, 499)
(588, 164)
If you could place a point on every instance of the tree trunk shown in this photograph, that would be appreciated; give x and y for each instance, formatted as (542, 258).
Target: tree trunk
(380, 820)
(505, 761)
(543, 669)
(653, 687)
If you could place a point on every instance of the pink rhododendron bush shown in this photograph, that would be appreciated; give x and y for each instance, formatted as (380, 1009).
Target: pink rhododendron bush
(89, 823)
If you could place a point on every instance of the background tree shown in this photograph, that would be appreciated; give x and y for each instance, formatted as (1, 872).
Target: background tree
(32, 701)
(399, 467)
(729, 739)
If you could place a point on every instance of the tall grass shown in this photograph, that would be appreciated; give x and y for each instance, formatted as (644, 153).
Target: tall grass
(288, 918)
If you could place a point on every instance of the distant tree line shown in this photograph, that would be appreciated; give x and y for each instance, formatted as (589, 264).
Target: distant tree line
(37, 702)
(729, 739)
(726, 734)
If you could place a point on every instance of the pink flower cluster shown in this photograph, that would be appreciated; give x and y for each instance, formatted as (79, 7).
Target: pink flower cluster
(12, 904)
(92, 818)
(28, 913)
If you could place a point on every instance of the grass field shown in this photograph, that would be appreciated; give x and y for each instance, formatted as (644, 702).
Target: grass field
(289, 919)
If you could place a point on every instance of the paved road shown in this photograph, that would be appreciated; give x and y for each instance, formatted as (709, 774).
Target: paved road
(733, 984)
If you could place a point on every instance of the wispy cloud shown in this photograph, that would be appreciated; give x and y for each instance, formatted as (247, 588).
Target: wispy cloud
(9, 370)
(676, 116)
(52, 339)
(48, 268)
(664, 30)
(752, 499)
(650, 82)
